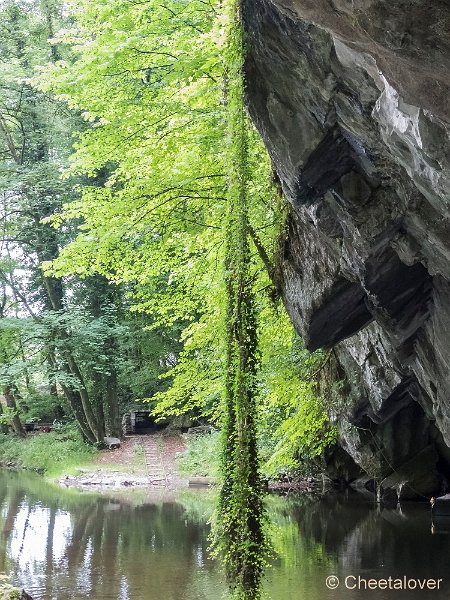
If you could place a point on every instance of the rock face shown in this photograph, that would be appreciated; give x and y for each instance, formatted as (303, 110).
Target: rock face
(351, 98)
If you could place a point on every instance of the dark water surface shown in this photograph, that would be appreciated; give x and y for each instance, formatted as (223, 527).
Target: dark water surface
(63, 544)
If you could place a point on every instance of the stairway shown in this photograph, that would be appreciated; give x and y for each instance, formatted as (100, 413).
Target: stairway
(156, 472)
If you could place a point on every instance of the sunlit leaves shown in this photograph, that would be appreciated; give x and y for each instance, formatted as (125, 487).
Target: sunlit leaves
(149, 81)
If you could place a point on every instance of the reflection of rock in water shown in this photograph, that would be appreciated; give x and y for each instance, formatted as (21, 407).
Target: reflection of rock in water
(364, 535)
(440, 525)
(66, 544)
(441, 506)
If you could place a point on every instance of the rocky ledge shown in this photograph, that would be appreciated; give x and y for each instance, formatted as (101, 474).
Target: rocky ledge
(103, 480)
(351, 99)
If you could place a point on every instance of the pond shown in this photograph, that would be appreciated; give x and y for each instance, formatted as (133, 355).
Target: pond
(63, 544)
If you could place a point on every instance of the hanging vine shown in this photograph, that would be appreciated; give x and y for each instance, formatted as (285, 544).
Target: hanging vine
(241, 512)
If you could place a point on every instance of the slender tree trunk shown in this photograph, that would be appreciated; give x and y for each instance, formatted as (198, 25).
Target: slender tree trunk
(97, 396)
(88, 420)
(112, 398)
(88, 410)
(11, 403)
(51, 364)
(75, 404)
(74, 400)
(26, 374)
(113, 405)
(3, 426)
(240, 503)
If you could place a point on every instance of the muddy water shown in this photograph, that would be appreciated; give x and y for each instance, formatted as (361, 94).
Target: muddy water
(63, 544)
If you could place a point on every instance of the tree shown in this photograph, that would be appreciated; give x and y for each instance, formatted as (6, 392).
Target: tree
(241, 512)
(68, 331)
(181, 198)
(30, 183)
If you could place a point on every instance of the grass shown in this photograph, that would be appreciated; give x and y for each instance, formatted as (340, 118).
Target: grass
(202, 456)
(49, 454)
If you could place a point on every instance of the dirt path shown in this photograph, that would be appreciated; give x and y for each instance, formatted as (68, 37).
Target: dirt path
(160, 454)
(127, 455)
(141, 460)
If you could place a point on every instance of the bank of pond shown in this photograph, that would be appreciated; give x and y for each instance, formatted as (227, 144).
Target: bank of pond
(154, 545)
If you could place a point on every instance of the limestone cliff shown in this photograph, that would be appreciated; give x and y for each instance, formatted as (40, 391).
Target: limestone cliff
(352, 98)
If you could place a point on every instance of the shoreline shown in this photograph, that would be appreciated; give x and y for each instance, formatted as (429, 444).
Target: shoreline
(145, 462)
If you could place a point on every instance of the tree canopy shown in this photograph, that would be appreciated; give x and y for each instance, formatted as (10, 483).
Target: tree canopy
(141, 236)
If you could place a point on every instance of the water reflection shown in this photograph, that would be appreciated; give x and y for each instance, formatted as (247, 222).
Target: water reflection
(64, 544)
(343, 536)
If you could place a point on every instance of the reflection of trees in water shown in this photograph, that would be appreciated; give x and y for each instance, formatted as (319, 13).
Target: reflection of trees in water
(150, 549)
(11, 500)
(91, 546)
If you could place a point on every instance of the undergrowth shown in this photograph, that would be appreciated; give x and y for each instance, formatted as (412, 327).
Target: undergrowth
(7, 591)
(45, 453)
(202, 456)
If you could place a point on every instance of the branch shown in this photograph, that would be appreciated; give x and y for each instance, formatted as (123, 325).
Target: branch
(154, 52)
(17, 294)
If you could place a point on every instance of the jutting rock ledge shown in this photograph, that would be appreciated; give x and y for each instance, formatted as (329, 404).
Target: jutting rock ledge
(352, 100)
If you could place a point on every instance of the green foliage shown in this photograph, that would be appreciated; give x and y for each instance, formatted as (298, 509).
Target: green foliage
(7, 415)
(197, 377)
(48, 453)
(202, 456)
(7, 591)
(66, 346)
(294, 419)
(41, 407)
(154, 99)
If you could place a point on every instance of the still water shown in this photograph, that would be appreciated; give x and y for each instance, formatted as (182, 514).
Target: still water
(63, 544)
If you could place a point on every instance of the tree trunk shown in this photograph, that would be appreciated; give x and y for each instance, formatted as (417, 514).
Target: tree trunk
(11, 403)
(84, 413)
(88, 410)
(97, 396)
(3, 426)
(243, 539)
(113, 404)
(74, 400)
(51, 363)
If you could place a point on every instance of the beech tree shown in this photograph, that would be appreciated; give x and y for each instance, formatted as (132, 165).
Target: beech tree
(60, 338)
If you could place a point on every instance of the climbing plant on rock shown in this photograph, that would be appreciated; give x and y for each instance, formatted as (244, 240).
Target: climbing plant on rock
(241, 513)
